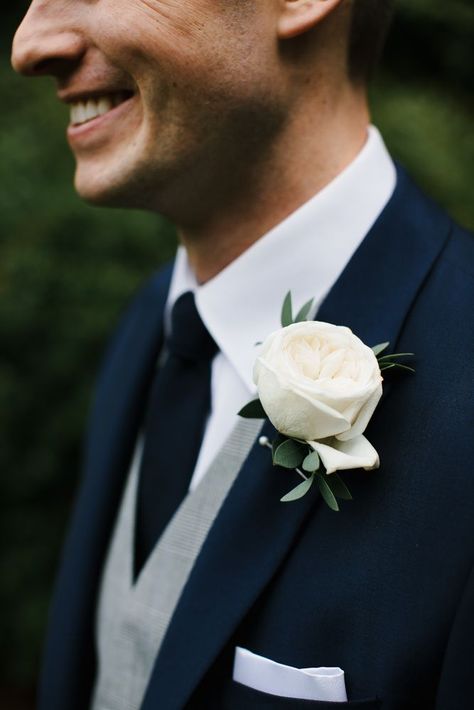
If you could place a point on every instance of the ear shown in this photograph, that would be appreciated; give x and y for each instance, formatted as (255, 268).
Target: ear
(300, 16)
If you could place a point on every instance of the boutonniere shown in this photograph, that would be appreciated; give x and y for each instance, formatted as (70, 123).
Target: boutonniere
(319, 385)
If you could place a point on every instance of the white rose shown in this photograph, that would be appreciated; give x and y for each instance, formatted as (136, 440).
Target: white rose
(318, 381)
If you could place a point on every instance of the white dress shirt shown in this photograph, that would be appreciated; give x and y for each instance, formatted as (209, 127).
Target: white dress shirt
(306, 253)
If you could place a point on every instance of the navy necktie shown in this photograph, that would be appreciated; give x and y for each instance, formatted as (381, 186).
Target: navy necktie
(178, 407)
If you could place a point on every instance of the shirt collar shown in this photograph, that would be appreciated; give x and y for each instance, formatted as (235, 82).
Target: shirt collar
(306, 253)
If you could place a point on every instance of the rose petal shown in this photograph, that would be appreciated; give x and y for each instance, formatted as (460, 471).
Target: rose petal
(292, 413)
(363, 418)
(332, 364)
(341, 455)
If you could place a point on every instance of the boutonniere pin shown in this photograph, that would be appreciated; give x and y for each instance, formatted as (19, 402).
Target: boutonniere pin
(319, 385)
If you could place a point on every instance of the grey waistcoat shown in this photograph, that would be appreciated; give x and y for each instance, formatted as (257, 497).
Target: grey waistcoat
(132, 619)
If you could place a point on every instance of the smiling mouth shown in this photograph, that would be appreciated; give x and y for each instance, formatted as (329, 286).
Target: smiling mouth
(92, 107)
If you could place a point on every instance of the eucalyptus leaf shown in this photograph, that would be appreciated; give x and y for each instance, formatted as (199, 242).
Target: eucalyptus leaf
(253, 410)
(287, 311)
(338, 487)
(279, 439)
(311, 462)
(289, 454)
(303, 313)
(380, 348)
(326, 492)
(298, 492)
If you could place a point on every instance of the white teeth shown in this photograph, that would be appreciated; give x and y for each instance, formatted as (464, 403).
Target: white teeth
(91, 110)
(83, 111)
(104, 105)
(78, 113)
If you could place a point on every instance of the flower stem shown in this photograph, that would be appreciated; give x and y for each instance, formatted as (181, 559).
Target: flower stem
(301, 474)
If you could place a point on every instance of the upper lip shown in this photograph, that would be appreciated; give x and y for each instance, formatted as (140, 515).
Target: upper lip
(82, 95)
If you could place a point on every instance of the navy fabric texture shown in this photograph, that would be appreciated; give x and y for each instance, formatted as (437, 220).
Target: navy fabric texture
(179, 404)
(240, 696)
(383, 588)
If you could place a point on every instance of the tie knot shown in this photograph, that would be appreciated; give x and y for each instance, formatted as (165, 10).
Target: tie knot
(189, 338)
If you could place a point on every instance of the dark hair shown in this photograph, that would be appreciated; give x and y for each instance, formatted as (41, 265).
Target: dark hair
(370, 25)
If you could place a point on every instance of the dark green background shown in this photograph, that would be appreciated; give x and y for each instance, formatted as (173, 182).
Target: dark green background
(66, 271)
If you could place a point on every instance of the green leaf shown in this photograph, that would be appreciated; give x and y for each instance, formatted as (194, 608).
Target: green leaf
(311, 462)
(389, 366)
(399, 365)
(326, 492)
(253, 410)
(289, 454)
(394, 355)
(300, 490)
(287, 311)
(380, 348)
(303, 313)
(338, 487)
(276, 443)
(404, 367)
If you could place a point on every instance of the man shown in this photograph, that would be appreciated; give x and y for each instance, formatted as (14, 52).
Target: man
(247, 124)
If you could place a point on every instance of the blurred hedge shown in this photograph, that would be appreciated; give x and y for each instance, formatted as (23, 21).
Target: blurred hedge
(67, 269)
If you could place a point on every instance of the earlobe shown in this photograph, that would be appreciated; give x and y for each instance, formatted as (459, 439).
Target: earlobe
(300, 16)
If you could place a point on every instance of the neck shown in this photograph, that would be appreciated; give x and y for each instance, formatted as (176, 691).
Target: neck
(315, 146)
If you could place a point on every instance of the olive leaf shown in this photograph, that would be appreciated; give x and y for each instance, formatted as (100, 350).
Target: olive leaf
(253, 410)
(303, 313)
(378, 349)
(287, 311)
(326, 492)
(338, 487)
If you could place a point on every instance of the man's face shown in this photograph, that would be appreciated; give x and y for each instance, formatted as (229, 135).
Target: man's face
(167, 97)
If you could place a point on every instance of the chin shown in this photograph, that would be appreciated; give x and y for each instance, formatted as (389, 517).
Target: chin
(104, 190)
(99, 197)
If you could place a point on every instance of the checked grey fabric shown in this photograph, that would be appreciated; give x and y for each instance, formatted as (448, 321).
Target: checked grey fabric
(132, 619)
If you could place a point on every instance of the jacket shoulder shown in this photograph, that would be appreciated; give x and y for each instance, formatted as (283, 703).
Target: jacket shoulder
(137, 322)
(459, 252)
(432, 229)
(149, 297)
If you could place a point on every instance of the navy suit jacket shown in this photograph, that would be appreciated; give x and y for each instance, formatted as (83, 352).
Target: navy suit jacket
(385, 588)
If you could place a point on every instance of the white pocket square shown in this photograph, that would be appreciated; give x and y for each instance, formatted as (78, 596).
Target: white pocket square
(262, 674)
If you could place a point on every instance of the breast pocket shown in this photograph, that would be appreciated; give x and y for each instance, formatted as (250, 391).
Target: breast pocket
(241, 697)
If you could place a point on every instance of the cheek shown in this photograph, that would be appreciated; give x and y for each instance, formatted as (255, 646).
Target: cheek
(158, 29)
(188, 41)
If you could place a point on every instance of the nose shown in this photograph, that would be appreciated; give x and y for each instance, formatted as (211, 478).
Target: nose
(48, 40)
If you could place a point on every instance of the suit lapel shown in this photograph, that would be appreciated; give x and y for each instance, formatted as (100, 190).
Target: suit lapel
(374, 294)
(242, 551)
(253, 530)
(69, 660)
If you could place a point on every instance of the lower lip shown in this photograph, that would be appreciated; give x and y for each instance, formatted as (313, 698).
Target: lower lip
(82, 132)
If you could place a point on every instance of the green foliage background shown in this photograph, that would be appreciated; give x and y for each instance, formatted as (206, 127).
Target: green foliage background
(66, 270)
